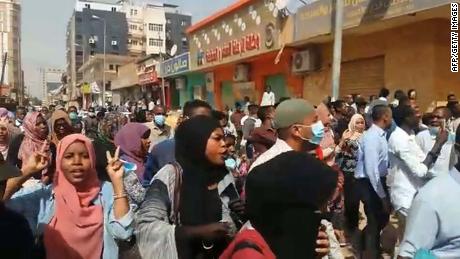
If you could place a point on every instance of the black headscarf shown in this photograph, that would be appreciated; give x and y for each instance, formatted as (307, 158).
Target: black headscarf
(198, 205)
(283, 197)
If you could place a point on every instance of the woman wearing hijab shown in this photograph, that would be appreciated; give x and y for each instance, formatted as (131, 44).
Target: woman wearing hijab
(185, 213)
(133, 140)
(61, 126)
(104, 142)
(5, 136)
(77, 216)
(34, 138)
(282, 204)
(347, 157)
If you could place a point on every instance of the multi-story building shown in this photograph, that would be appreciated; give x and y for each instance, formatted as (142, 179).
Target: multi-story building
(176, 25)
(10, 50)
(154, 28)
(85, 37)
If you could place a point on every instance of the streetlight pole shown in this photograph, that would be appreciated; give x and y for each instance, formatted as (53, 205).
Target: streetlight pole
(163, 92)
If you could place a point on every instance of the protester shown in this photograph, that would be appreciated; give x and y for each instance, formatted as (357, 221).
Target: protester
(133, 140)
(341, 119)
(249, 123)
(298, 127)
(164, 152)
(34, 139)
(5, 136)
(21, 113)
(61, 126)
(433, 222)
(426, 140)
(384, 93)
(104, 142)
(371, 172)
(412, 94)
(409, 166)
(264, 137)
(17, 240)
(280, 229)
(195, 189)
(398, 96)
(45, 113)
(347, 157)
(77, 216)
(91, 123)
(455, 122)
(159, 131)
(268, 98)
(326, 149)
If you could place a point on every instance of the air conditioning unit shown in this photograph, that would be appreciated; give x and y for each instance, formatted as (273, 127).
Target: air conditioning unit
(92, 41)
(241, 73)
(180, 83)
(130, 41)
(114, 43)
(305, 61)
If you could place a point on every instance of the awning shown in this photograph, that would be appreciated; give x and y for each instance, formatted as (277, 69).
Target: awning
(57, 91)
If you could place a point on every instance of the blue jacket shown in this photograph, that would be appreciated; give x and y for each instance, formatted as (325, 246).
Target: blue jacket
(162, 154)
(37, 205)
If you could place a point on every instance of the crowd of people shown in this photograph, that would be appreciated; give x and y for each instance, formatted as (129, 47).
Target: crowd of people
(276, 180)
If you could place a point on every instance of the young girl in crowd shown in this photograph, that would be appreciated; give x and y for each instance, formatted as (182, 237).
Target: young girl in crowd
(77, 216)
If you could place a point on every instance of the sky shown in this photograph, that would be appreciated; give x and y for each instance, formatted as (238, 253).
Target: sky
(44, 24)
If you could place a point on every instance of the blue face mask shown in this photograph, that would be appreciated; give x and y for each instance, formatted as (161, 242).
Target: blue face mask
(317, 130)
(434, 131)
(451, 138)
(159, 120)
(73, 116)
(230, 163)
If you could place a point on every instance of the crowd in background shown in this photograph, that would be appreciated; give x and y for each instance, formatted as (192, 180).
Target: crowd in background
(288, 179)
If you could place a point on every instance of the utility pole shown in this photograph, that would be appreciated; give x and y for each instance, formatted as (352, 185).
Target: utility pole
(337, 56)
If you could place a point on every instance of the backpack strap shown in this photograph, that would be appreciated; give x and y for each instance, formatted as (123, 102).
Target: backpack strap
(246, 244)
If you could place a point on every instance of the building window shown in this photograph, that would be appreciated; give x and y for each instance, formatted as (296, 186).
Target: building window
(88, 6)
(114, 9)
(111, 67)
(183, 23)
(134, 42)
(133, 27)
(150, 26)
(133, 11)
(158, 27)
(78, 19)
(168, 21)
(78, 37)
(156, 42)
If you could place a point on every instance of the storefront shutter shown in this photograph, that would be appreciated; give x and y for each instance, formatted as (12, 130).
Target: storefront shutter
(362, 76)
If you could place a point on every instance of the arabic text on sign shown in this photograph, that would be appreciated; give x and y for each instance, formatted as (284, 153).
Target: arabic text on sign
(235, 47)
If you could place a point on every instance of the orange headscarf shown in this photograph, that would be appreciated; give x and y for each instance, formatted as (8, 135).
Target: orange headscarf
(76, 230)
(57, 115)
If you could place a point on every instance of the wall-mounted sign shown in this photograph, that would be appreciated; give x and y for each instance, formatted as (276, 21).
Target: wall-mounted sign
(315, 19)
(148, 78)
(252, 30)
(175, 65)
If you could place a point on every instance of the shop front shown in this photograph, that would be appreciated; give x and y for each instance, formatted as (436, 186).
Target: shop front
(398, 45)
(240, 50)
(151, 87)
(174, 71)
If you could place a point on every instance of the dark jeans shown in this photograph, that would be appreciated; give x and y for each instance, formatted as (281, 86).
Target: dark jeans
(377, 218)
(351, 202)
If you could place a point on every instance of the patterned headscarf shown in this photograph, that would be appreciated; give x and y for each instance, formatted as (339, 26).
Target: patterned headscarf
(33, 139)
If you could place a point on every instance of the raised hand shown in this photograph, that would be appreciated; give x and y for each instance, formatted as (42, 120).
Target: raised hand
(115, 167)
(37, 162)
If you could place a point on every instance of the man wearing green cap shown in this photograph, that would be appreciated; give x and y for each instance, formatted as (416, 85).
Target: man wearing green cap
(299, 129)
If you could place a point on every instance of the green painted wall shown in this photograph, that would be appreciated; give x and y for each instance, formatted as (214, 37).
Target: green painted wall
(278, 84)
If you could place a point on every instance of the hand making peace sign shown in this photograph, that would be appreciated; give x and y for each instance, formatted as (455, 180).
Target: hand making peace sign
(115, 167)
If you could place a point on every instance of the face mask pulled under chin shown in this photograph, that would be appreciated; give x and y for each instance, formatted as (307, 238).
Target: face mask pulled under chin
(317, 130)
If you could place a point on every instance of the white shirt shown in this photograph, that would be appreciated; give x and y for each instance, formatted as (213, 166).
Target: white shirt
(407, 173)
(279, 148)
(426, 143)
(151, 105)
(268, 99)
(258, 122)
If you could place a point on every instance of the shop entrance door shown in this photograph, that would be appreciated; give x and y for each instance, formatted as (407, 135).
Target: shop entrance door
(278, 85)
